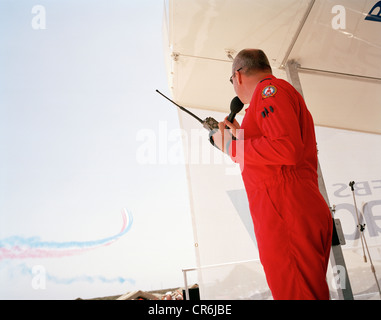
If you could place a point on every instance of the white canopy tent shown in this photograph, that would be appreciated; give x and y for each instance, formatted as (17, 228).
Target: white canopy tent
(335, 52)
(339, 68)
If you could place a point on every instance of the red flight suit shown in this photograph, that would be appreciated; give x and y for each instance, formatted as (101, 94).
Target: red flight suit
(277, 152)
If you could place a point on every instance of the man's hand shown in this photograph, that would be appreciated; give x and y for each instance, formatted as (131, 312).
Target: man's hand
(223, 135)
(219, 137)
(232, 126)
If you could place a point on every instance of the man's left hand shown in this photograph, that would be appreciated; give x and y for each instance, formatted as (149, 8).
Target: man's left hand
(222, 137)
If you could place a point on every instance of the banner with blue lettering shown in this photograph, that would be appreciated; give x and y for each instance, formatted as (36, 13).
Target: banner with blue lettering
(347, 157)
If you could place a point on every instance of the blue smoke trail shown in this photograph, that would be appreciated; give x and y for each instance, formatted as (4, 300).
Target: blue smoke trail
(23, 269)
(35, 242)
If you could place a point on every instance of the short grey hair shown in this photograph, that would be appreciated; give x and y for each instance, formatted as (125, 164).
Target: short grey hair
(251, 61)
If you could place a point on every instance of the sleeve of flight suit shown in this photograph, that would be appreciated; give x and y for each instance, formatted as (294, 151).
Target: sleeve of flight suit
(281, 142)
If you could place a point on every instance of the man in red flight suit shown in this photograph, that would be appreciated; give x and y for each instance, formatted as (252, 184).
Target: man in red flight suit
(276, 149)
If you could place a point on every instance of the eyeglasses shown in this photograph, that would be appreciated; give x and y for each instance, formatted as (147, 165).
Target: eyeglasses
(231, 78)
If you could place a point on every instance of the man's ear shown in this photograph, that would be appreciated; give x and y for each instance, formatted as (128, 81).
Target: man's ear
(239, 77)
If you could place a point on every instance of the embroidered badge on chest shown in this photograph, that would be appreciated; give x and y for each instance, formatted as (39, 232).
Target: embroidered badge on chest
(268, 91)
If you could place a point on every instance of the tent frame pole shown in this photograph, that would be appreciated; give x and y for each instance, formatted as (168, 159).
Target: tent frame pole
(344, 291)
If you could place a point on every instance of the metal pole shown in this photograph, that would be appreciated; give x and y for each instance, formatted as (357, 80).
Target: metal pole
(361, 228)
(186, 284)
(186, 288)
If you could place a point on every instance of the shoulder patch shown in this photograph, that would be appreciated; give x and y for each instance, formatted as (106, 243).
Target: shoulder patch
(269, 91)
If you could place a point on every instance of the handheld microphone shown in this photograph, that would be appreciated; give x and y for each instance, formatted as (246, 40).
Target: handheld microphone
(236, 106)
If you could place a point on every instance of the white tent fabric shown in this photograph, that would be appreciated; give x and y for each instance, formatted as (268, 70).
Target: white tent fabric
(338, 52)
(339, 59)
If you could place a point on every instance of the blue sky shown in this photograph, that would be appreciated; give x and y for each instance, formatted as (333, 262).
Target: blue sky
(73, 99)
